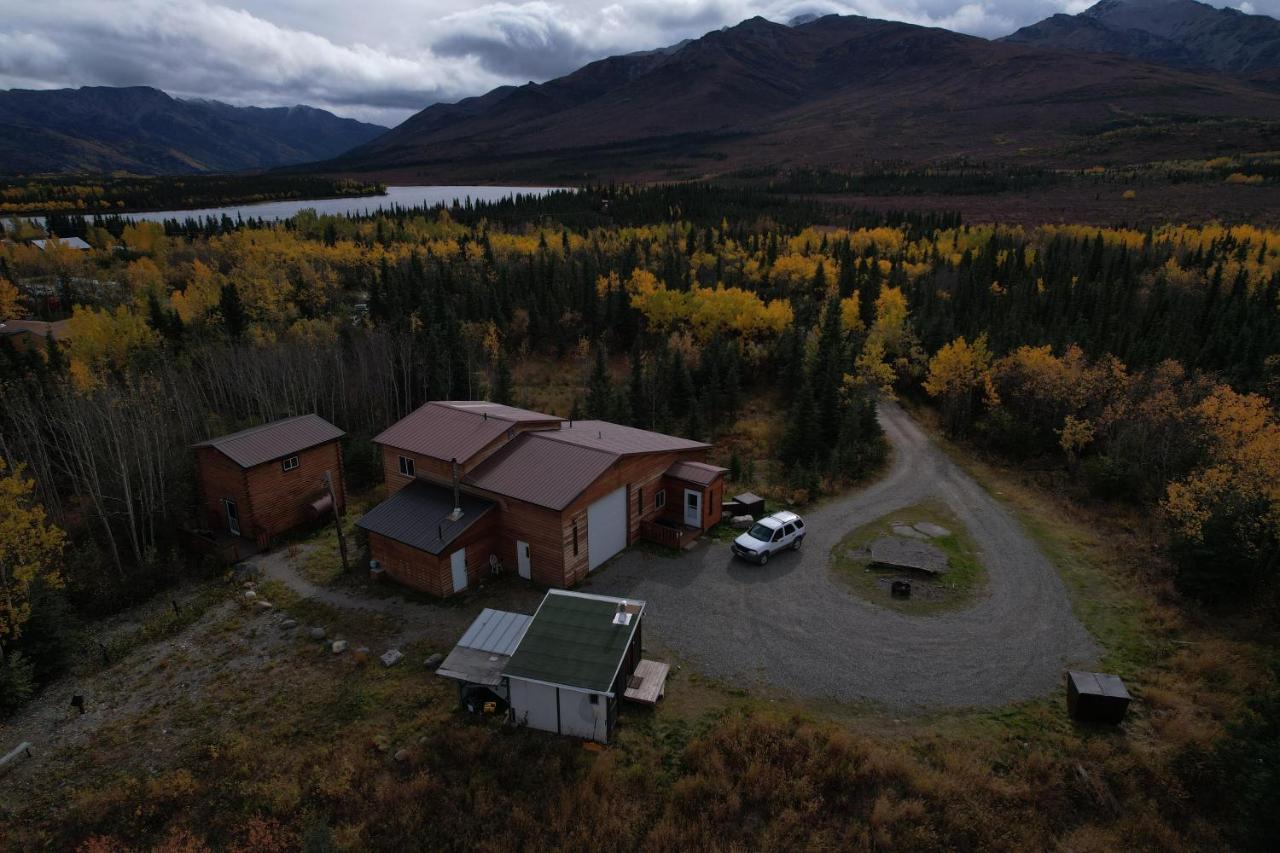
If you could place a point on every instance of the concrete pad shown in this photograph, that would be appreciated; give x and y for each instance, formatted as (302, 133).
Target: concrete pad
(933, 531)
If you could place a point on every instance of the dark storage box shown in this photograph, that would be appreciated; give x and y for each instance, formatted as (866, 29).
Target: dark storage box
(752, 505)
(1095, 697)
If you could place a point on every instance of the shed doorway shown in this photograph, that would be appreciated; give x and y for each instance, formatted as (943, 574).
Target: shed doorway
(522, 559)
(233, 516)
(458, 563)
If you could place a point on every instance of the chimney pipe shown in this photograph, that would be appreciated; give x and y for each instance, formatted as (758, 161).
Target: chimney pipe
(457, 498)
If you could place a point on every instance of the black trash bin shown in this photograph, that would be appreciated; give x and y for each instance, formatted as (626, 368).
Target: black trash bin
(1096, 697)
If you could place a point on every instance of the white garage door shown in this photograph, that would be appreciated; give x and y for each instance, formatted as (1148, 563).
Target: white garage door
(606, 527)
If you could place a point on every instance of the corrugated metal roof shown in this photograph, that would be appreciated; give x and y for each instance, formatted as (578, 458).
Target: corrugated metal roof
(418, 516)
(63, 242)
(536, 469)
(57, 328)
(446, 432)
(695, 472)
(496, 631)
(498, 410)
(573, 641)
(619, 439)
(275, 440)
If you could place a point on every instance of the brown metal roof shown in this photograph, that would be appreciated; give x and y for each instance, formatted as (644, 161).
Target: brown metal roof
(418, 516)
(619, 439)
(540, 470)
(498, 410)
(275, 440)
(454, 429)
(695, 472)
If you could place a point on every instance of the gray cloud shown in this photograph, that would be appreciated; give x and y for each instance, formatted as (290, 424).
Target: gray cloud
(384, 59)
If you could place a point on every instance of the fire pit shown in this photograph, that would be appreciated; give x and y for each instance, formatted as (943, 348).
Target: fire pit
(901, 589)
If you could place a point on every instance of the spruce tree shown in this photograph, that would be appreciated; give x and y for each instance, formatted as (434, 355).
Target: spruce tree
(232, 310)
(600, 387)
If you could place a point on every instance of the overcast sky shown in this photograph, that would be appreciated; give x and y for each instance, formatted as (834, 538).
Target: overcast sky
(382, 60)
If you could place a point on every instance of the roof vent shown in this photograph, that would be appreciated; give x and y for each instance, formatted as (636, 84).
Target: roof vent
(622, 616)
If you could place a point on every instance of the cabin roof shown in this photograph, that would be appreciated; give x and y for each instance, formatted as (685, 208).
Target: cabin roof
(275, 440)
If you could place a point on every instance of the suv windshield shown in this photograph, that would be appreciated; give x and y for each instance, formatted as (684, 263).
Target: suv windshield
(759, 531)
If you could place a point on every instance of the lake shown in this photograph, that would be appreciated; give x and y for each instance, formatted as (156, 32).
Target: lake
(401, 196)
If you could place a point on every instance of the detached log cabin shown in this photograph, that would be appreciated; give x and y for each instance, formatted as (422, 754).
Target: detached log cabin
(553, 499)
(260, 482)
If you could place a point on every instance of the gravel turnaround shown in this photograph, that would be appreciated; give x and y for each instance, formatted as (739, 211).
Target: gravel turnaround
(791, 626)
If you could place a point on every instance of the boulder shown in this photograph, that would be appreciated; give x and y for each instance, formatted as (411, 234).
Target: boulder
(361, 654)
(338, 647)
(908, 531)
(250, 594)
(435, 660)
(741, 522)
(894, 552)
(288, 624)
(317, 633)
(264, 605)
(391, 657)
(402, 755)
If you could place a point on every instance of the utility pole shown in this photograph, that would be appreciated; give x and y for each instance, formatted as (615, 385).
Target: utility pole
(337, 522)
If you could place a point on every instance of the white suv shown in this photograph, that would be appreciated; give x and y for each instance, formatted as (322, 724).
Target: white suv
(770, 535)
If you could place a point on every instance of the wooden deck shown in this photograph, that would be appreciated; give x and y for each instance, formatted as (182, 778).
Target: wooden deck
(673, 537)
(648, 683)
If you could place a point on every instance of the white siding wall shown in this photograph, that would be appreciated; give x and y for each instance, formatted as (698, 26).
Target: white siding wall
(580, 718)
(533, 705)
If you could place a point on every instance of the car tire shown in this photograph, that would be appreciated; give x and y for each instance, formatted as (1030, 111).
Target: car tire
(795, 546)
(764, 557)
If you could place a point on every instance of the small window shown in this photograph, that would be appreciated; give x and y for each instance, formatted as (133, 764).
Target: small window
(575, 539)
(406, 466)
(595, 698)
(660, 499)
(640, 500)
(799, 524)
(789, 529)
(777, 535)
(290, 463)
(691, 498)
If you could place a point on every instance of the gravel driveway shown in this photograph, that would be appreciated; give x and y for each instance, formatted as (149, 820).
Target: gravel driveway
(790, 625)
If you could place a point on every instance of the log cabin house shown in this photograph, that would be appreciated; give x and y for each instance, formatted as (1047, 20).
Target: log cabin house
(473, 484)
(263, 481)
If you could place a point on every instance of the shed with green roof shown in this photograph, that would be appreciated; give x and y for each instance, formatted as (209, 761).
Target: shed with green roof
(573, 663)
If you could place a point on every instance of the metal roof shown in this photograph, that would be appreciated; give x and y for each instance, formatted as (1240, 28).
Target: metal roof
(63, 242)
(619, 439)
(498, 410)
(453, 429)
(418, 516)
(497, 631)
(695, 472)
(482, 654)
(57, 328)
(573, 641)
(536, 469)
(275, 440)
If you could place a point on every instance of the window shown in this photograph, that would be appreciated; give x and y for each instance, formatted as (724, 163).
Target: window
(290, 463)
(575, 539)
(640, 500)
(789, 529)
(799, 524)
(777, 535)
(595, 698)
(660, 499)
(406, 466)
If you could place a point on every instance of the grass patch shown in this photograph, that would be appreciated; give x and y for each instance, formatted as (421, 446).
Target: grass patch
(951, 591)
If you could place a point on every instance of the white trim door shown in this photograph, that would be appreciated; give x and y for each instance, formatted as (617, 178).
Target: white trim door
(458, 563)
(233, 516)
(523, 565)
(693, 508)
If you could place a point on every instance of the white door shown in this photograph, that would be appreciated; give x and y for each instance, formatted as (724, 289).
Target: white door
(522, 559)
(693, 508)
(458, 561)
(606, 527)
(233, 517)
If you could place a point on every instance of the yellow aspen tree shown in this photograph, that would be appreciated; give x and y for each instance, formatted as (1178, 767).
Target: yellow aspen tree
(29, 549)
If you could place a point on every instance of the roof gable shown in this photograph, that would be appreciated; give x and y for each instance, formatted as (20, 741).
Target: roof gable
(619, 439)
(458, 430)
(699, 473)
(573, 641)
(275, 440)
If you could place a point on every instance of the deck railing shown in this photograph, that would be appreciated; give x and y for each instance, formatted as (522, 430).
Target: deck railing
(672, 537)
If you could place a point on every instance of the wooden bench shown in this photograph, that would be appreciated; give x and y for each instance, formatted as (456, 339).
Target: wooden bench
(648, 683)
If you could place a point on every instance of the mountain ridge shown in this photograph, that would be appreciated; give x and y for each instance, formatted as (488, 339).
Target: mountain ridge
(1180, 33)
(837, 92)
(143, 130)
